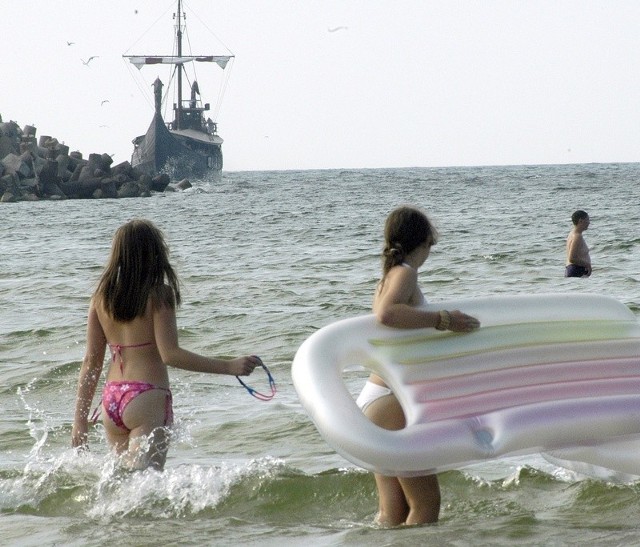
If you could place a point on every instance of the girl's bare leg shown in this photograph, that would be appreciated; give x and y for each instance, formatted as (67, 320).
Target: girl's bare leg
(147, 443)
(414, 500)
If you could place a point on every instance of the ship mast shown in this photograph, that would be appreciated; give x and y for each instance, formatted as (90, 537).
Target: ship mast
(179, 66)
(186, 117)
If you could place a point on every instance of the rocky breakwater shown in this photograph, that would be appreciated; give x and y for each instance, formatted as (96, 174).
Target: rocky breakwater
(43, 169)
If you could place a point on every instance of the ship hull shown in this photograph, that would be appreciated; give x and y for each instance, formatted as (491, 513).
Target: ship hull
(181, 154)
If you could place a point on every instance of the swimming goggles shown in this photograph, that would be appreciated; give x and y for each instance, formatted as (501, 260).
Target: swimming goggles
(257, 394)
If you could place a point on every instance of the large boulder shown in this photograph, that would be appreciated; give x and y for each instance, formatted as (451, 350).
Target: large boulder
(10, 129)
(160, 182)
(129, 189)
(8, 197)
(81, 189)
(53, 191)
(9, 182)
(49, 173)
(105, 162)
(7, 146)
(16, 165)
(184, 184)
(32, 168)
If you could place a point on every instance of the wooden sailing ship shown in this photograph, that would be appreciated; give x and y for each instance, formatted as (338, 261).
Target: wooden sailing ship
(188, 145)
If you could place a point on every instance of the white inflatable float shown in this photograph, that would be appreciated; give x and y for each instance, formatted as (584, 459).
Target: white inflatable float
(545, 373)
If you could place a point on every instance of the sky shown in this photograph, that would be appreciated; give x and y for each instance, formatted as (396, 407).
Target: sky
(319, 84)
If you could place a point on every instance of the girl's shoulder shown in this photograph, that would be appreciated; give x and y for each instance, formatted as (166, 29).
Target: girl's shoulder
(97, 304)
(404, 270)
(401, 274)
(163, 295)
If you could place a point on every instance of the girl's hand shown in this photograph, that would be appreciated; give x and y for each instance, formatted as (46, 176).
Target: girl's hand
(243, 366)
(79, 436)
(461, 322)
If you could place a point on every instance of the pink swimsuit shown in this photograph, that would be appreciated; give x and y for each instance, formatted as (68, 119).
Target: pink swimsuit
(116, 395)
(116, 351)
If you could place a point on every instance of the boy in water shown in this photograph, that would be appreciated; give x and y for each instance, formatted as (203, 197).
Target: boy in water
(578, 259)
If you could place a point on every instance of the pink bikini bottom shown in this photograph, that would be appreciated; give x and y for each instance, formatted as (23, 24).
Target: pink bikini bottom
(117, 395)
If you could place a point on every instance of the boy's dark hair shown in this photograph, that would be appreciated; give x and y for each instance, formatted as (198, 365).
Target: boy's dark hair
(578, 216)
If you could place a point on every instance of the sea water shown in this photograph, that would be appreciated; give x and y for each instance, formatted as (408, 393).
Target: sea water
(265, 259)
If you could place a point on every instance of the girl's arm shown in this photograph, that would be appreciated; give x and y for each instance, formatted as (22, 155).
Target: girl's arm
(392, 309)
(166, 335)
(88, 378)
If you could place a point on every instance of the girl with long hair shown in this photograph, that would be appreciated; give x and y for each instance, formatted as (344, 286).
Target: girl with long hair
(398, 301)
(133, 313)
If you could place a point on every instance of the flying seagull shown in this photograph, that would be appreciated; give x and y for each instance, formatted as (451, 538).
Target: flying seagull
(70, 43)
(335, 29)
(105, 101)
(86, 63)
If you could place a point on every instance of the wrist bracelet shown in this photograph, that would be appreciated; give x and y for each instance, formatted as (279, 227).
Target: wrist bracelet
(444, 321)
